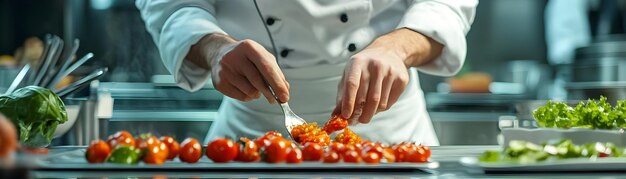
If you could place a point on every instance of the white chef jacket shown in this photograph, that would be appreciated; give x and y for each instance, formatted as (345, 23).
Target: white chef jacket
(312, 40)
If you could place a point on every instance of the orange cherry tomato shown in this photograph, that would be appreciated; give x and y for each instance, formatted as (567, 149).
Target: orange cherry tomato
(351, 156)
(156, 153)
(371, 158)
(191, 151)
(276, 152)
(294, 155)
(312, 152)
(172, 145)
(97, 152)
(335, 123)
(377, 148)
(401, 151)
(331, 157)
(121, 138)
(222, 150)
(310, 132)
(249, 152)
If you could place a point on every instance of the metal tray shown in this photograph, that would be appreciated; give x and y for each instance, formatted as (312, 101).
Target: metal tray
(564, 165)
(75, 160)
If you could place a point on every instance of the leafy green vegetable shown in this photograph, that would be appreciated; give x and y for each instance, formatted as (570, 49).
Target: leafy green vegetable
(527, 152)
(593, 114)
(35, 112)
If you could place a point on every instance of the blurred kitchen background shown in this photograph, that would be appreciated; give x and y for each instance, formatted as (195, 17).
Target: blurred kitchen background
(520, 54)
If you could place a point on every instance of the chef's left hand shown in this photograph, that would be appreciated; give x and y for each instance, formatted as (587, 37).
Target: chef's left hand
(374, 78)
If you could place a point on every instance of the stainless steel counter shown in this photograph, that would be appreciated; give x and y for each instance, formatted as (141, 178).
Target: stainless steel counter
(447, 156)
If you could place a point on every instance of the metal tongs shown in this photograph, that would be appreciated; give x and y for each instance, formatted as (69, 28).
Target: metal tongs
(291, 119)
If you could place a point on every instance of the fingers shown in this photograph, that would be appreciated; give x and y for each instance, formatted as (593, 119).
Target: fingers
(230, 90)
(361, 99)
(267, 66)
(397, 89)
(373, 97)
(255, 78)
(351, 87)
(384, 96)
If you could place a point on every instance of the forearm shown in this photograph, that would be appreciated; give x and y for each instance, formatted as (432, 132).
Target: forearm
(415, 48)
(207, 48)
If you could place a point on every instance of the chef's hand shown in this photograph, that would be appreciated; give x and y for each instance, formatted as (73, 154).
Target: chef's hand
(374, 78)
(240, 69)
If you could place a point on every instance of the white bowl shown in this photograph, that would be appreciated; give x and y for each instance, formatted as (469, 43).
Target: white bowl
(72, 114)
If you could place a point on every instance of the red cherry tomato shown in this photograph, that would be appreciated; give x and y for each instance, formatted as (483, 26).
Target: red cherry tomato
(312, 152)
(276, 151)
(426, 150)
(121, 138)
(191, 151)
(331, 157)
(264, 140)
(97, 152)
(294, 155)
(172, 145)
(337, 147)
(378, 149)
(416, 156)
(389, 155)
(371, 158)
(351, 156)
(222, 150)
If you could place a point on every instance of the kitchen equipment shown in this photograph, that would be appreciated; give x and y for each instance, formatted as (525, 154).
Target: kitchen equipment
(577, 165)
(51, 56)
(291, 119)
(58, 74)
(73, 67)
(18, 79)
(75, 160)
(81, 83)
(72, 115)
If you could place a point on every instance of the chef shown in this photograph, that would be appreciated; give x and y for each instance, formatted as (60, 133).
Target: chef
(358, 59)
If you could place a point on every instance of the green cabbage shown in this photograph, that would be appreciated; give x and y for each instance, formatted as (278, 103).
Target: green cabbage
(35, 112)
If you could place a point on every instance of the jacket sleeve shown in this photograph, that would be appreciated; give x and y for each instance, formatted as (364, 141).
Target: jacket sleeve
(447, 22)
(175, 25)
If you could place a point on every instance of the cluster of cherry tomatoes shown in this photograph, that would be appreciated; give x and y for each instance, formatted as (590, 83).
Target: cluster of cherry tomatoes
(310, 132)
(273, 148)
(123, 148)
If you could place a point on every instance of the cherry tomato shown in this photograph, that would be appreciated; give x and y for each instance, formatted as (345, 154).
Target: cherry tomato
(249, 152)
(121, 138)
(312, 152)
(355, 147)
(335, 123)
(145, 143)
(294, 155)
(172, 145)
(191, 151)
(351, 156)
(426, 150)
(97, 152)
(222, 150)
(264, 140)
(371, 158)
(378, 149)
(389, 155)
(337, 147)
(8, 137)
(310, 132)
(331, 157)
(276, 152)
(416, 156)
(400, 151)
(156, 153)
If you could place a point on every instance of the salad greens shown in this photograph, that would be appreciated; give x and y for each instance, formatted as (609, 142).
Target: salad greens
(593, 114)
(35, 112)
(527, 152)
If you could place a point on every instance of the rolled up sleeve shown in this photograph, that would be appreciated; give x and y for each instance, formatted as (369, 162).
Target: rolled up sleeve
(175, 26)
(447, 22)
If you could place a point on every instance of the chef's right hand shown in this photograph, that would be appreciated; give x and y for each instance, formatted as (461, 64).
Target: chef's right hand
(243, 69)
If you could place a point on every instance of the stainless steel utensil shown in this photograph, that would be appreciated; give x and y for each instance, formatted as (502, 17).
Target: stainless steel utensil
(291, 119)
(43, 67)
(64, 65)
(70, 69)
(47, 76)
(18, 79)
(81, 83)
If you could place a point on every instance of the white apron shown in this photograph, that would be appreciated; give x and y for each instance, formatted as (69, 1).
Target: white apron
(312, 97)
